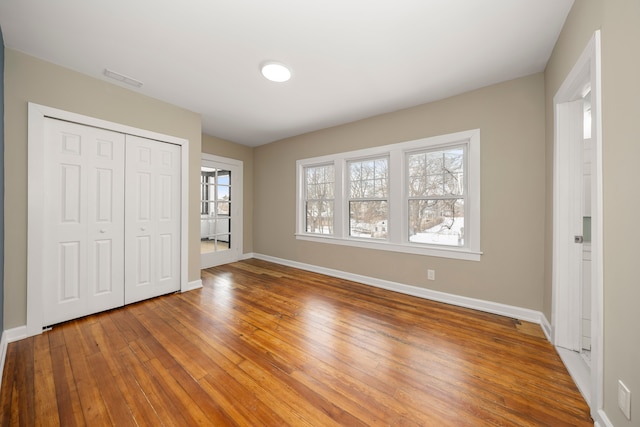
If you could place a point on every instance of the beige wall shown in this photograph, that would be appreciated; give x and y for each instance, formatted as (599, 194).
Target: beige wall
(28, 79)
(619, 22)
(510, 117)
(579, 27)
(231, 150)
(621, 152)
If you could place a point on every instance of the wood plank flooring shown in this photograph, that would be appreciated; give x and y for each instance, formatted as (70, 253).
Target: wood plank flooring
(267, 345)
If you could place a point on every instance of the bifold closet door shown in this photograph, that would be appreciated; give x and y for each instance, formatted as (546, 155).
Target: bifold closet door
(152, 218)
(83, 239)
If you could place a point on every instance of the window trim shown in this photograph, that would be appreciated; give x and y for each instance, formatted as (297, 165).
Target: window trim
(306, 199)
(397, 239)
(465, 194)
(349, 199)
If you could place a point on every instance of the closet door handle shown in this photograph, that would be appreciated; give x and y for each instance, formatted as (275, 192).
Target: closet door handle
(143, 229)
(103, 231)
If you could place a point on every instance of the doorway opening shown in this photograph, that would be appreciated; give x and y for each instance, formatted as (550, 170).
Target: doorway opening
(220, 210)
(577, 226)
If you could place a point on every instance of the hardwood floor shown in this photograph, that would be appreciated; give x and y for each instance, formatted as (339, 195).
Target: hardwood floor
(267, 345)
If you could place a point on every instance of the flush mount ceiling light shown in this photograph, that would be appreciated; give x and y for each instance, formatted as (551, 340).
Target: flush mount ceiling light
(122, 78)
(275, 71)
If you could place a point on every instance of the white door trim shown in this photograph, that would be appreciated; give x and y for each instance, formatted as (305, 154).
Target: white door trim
(237, 180)
(586, 72)
(35, 142)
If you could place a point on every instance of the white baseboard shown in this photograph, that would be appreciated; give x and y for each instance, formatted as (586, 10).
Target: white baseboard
(16, 334)
(546, 327)
(3, 354)
(476, 304)
(603, 420)
(196, 284)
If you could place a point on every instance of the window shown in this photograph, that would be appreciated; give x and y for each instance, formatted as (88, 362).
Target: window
(436, 196)
(319, 193)
(368, 198)
(420, 197)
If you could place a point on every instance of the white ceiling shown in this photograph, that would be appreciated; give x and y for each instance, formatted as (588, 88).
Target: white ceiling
(350, 59)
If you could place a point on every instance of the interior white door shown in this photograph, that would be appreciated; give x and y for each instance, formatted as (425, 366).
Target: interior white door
(220, 210)
(152, 216)
(83, 241)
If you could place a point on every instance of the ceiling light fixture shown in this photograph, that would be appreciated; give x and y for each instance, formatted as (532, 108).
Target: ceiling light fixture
(275, 71)
(122, 78)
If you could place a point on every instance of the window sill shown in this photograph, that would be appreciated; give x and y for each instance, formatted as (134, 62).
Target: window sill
(453, 253)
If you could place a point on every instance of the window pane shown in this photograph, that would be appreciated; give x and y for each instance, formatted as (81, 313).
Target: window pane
(224, 177)
(319, 217)
(368, 219)
(439, 222)
(223, 208)
(223, 192)
(319, 188)
(369, 179)
(319, 182)
(437, 173)
(222, 226)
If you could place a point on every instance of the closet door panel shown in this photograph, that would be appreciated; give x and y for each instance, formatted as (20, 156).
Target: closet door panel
(152, 238)
(103, 283)
(83, 240)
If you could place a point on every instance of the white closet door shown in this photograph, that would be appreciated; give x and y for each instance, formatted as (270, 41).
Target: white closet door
(152, 214)
(83, 241)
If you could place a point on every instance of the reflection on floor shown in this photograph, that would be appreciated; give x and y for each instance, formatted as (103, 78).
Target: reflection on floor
(207, 246)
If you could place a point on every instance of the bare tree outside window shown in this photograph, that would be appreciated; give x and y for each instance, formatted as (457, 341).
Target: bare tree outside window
(436, 196)
(319, 195)
(368, 198)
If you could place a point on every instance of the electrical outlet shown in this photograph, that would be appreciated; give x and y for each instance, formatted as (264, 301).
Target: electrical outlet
(624, 399)
(431, 274)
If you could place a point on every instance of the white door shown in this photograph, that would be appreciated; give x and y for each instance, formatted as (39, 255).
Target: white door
(220, 210)
(83, 240)
(152, 235)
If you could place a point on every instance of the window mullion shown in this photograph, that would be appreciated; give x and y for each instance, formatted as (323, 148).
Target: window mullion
(339, 216)
(397, 220)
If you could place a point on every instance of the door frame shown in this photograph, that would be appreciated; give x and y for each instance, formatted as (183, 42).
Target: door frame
(35, 142)
(567, 175)
(237, 216)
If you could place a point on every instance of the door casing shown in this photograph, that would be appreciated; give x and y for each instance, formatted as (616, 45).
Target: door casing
(567, 256)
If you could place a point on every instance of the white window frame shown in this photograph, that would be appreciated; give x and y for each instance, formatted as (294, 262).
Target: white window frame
(349, 199)
(306, 199)
(398, 236)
